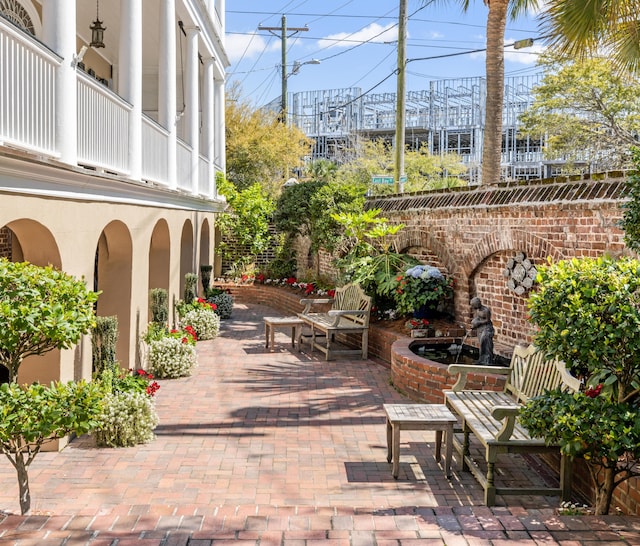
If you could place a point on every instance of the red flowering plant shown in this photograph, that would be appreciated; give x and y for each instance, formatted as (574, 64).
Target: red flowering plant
(416, 324)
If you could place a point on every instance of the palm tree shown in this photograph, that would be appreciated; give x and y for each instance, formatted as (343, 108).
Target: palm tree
(582, 27)
(499, 11)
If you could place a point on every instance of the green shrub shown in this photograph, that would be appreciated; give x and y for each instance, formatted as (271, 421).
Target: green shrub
(588, 314)
(159, 303)
(205, 322)
(104, 336)
(223, 302)
(170, 358)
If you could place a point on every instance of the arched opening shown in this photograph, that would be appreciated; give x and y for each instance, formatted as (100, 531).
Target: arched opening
(27, 240)
(113, 268)
(159, 258)
(186, 253)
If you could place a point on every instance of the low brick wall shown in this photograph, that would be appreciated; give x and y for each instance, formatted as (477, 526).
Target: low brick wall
(423, 380)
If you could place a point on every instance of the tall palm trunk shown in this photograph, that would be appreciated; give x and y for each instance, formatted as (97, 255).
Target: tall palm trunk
(492, 148)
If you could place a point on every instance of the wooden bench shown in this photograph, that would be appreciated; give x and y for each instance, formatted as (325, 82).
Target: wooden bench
(490, 417)
(349, 314)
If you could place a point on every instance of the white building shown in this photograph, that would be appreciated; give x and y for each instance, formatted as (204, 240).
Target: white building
(109, 151)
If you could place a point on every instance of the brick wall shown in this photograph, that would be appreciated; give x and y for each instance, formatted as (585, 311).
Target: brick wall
(474, 234)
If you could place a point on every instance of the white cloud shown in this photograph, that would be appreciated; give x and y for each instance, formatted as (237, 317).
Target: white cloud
(373, 33)
(434, 34)
(246, 45)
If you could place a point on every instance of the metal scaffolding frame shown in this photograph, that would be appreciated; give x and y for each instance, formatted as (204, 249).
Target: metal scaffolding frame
(447, 117)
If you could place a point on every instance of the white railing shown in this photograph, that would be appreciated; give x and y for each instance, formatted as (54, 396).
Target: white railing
(28, 119)
(103, 126)
(155, 165)
(27, 92)
(203, 176)
(183, 166)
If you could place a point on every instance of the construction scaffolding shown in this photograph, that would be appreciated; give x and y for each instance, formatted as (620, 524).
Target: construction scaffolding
(448, 117)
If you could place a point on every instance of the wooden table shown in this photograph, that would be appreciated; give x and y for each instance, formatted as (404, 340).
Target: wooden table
(435, 417)
(271, 323)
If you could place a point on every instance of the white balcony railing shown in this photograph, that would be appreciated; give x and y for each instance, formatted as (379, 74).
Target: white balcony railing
(183, 166)
(28, 118)
(103, 126)
(27, 91)
(155, 164)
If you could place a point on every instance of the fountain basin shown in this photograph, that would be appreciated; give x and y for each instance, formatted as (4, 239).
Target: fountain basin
(423, 379)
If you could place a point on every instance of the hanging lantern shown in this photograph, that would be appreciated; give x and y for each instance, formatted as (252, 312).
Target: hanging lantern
(97, 30)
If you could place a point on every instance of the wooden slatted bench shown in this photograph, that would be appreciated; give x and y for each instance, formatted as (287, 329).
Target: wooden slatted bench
(491, 417)
(349, 314)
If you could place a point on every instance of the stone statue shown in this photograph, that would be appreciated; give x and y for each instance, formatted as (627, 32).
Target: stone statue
(483, 327)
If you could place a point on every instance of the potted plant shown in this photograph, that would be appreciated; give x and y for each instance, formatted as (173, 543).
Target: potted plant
(422, 291)
(418, 327)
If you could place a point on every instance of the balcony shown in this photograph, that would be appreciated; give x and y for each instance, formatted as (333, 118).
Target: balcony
(28, 117)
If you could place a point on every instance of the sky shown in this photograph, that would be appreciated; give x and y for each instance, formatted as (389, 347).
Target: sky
(356, 44)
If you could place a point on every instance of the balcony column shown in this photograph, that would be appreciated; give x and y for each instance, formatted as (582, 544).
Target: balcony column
(192, 104)
(219, 99)
(167, 84)
(59, 33)
(221, 12)
(130, 78)
(208, 127)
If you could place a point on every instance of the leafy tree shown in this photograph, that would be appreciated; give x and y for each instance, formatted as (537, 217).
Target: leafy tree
(41, 309)
(32, 415)
(587, 110)
(245, 226)
(423, 170)
(306, 210)
(259, 148)
(587, 28)
(631, 217)
(588, 315)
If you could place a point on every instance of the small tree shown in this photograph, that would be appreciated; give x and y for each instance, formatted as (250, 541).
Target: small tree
(41, 309)
(588, 314)
(32, 415)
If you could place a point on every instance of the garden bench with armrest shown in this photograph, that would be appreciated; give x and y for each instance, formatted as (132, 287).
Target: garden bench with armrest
(491, 417)
(349, 314)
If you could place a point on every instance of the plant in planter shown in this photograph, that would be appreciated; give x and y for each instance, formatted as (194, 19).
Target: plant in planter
(222, 300)
(128, 415)
(588, 315)
(173, 355)
(417, 327)
(422, 289)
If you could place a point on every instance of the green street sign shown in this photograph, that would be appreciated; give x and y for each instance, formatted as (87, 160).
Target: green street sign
(381, 179)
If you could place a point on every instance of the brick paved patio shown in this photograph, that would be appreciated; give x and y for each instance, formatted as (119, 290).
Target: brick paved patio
(276, 448)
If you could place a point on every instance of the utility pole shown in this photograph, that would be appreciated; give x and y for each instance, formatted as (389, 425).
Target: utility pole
(283, 30)
(400, 95)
